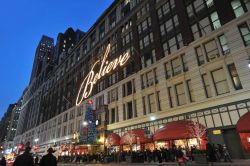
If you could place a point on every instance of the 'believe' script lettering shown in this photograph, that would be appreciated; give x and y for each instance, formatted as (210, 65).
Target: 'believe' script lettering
(92, 77)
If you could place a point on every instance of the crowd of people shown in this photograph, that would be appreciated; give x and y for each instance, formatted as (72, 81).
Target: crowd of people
(180, 155)
(217, 153)
(28, 160)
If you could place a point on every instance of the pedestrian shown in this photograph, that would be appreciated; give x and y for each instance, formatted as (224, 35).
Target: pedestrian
(48, 159)
(3, 162)
(210, 153)
(158, 154)
(179, 156)
(220, 149)
(24, 159)
(36, 160)
(227, 156)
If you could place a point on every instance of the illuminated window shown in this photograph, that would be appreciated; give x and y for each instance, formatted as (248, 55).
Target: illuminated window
(237, 7)
(245, 33)
(234, 76)
(215, 20)
(223, 44)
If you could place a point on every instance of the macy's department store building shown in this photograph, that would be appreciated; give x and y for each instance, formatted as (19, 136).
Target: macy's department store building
(206, 81)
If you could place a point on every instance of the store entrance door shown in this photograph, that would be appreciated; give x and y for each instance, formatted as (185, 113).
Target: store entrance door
(232, 141)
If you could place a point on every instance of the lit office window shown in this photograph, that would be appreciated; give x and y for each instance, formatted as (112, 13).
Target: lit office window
(237, 7)
(209, 3)
(215, 20)
(223, 44)
(245, 33)
(234, 76)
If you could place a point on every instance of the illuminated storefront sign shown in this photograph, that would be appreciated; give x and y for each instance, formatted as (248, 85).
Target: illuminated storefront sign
(216, 132)
(105, 68)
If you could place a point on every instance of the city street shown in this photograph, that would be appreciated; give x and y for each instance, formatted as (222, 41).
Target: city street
(235, 163)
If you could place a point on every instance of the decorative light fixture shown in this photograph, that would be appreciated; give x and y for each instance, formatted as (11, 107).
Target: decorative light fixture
(36, 140)
(248, 62)
(152, 118)
(85, 123)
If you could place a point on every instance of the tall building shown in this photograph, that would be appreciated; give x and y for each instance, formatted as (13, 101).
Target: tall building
(5, 123)
(147, 65)
(65, 42)
(43, 58)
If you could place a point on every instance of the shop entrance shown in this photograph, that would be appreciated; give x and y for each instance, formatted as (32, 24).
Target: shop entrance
(232, 141)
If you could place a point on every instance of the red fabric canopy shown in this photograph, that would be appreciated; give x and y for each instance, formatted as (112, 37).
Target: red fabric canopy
(177, 130)
(243, 125)
(135, 136)
(113, 139)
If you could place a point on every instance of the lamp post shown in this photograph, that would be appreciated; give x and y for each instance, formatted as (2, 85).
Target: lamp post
(36, 140)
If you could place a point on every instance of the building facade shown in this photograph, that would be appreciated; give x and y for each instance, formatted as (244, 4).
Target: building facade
(188, 60)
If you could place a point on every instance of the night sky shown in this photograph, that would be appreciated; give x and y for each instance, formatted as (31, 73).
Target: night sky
(22, 23)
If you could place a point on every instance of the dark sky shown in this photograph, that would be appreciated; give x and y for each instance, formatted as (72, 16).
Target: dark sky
(22, 23)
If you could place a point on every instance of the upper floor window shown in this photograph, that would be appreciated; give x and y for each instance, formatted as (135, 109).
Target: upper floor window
(142, 11)
(149, 78)
(220, 81)
(215, 20)
(128, 88)
(240, 7)
(180, 94)
(144, 25)
(102, 30)
(211, 49)
(234, 76)
(223, 44)
(148, 39)
(112, 19)
(245, 33)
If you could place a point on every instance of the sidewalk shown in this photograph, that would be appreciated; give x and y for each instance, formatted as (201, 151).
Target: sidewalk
(243, 162)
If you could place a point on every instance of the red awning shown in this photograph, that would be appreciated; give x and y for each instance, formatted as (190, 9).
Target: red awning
(177, 130)
(243, 125)
(113, 139)
(135, 136)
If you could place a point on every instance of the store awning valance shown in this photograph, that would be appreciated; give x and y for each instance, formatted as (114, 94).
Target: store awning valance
(113, 139)
(177, 130)
(135, 136)
(243, 125)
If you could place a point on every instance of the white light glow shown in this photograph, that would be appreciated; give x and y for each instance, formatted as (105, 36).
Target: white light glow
(85, 123)
(152, 118)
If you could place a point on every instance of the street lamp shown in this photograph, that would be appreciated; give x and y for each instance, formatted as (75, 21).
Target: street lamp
(36, 140)
(248, 63)
(152, 118)
(85, 123)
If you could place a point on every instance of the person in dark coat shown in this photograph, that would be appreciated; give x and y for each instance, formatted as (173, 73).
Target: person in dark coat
(3, 162)
(24, 159)
(210, 152)
(48, 159)
(36, 160)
